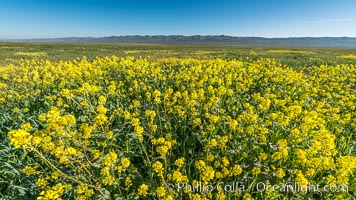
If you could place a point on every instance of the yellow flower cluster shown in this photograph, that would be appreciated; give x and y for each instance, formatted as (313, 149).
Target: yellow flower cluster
(348, 56)
(83, 192)
(128, 127)
(54, 192)
(19, 138)
(143, 190)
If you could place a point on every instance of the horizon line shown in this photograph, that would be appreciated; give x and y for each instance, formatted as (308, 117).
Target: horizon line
(145, 35)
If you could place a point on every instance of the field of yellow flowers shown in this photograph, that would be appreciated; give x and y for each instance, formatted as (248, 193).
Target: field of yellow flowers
(176, 128)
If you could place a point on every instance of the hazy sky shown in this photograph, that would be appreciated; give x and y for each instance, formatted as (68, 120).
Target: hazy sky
(266, 18)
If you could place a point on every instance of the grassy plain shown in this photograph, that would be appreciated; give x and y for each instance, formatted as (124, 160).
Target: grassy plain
(292, 56)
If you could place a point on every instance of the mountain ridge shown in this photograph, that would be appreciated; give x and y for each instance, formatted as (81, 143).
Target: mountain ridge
(205, 39)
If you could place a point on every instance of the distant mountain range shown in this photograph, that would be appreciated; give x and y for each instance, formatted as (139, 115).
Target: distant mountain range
(209, 39)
